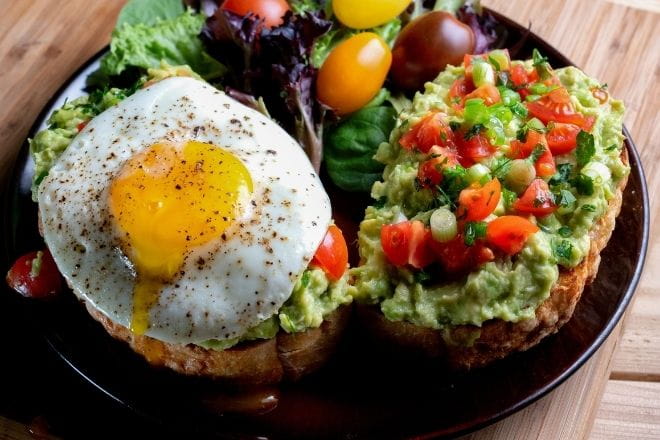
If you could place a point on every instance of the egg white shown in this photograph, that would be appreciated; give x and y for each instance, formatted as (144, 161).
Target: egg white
(226, 286)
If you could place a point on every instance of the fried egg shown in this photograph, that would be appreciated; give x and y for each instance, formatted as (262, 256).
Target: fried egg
(182, 214)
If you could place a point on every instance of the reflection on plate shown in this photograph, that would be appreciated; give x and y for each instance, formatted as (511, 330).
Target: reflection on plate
(359, 393)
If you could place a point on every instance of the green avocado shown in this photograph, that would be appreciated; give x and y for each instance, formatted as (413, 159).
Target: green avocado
(509, 288)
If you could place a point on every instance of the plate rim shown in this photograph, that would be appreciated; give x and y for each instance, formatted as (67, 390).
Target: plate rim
(22, 157)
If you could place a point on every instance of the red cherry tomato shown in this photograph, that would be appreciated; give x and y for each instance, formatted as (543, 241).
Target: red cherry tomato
(474, 149)
(406, 243)
(556, 106)
(427, 133)
(271, 11)
(332, 254)
(487, 92)
(430, 174)
(537, 200)
(509, 233)
(44, 282)
(478, 203)
(456, 256)
(545, 164)
(562, 138)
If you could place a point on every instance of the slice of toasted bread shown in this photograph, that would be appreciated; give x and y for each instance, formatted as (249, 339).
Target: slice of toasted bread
(284, 357)
(499, 338)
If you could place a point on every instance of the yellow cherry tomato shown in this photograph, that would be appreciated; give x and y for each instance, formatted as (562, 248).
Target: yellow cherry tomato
(363, 14)
(354, 72)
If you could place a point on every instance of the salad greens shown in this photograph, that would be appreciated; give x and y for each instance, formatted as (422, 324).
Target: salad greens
(149, 12)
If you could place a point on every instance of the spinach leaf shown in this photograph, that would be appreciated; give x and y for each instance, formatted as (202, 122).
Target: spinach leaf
(351, 145)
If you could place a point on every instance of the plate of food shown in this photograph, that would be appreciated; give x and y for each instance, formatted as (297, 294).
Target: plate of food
(321, 219)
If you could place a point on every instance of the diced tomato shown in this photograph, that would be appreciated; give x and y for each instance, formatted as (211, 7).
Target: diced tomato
(406, 243)
(545, 164)
(476, 203)
(82, 125)
(520, 77)
(509, 233)
(456, 256)
(556, 106)
(537, 199)
(332, 254)
(430, 131)
(44, 282)
(562, 138)
(487, 92)
(468, 59)
(430, 174)
(474, 149)
(458, 91)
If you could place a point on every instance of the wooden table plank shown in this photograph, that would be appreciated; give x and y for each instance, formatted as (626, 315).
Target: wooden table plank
(629, 411)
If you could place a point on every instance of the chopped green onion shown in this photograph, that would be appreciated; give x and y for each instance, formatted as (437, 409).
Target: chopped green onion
(482, 73)
(478, 173)
(443, 225)
(521, 174)
(499, 59)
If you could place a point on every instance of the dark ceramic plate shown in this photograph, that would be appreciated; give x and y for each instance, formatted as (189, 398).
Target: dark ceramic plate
(358, 394)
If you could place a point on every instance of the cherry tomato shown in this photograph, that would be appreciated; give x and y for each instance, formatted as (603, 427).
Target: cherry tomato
(430, 131)
(430, 174)
(367, 13)
(562, 138)
(426, 46)
(456, 256)
(509, 233)
(537, 199)
(332, 254)
(487, 92)
(271, 11)
(474, 149)
(545, 164)
(407, 242)
(46, 282)
(354, 72)
(476, 203)
(556, 106)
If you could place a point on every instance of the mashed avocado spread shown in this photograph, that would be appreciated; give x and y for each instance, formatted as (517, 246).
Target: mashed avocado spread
(508, 286)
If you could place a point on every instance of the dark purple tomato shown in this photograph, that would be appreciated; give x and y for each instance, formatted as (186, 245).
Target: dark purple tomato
(426, 46)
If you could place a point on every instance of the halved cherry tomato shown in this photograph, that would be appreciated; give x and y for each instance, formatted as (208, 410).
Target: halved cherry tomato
(476, 203)
(332, 254)
(46, 282)
(430, 174)
(430, 131)
(458, 91)
(456, 256)
(562, 138)
(487, 92)
(271, 11)
(407, 242)
(545, 164)
(556, 106)
(509, 233)
(537, 199)
(474, 149)
(354, 72)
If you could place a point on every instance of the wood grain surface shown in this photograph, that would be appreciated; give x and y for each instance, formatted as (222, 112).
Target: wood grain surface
(42, 42)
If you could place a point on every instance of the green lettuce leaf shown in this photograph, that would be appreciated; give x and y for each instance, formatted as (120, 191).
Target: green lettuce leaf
(149, 12)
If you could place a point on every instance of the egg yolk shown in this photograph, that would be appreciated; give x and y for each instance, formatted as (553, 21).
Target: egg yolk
(168, 200)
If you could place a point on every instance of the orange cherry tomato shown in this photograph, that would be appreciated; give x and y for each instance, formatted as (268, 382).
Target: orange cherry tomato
(271, 11)
(332, 254)
(562, 138)
(429, 174)
(487, 92)
(556, 106)
(46, 282)
(476, 203)
(427, 133)
(509, 233)
(407, 243)
(537, 199)
(474, 149)
(354, 72)
(545, 164)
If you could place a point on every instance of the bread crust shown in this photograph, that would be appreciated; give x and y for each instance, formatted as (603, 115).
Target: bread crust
(499, 338)
(284, 357)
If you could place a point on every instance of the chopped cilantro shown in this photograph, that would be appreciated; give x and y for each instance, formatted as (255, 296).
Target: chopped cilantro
(585, 148)
(565, 198)
(564, 171)
(537, 58)
(453, 182)
(501, 167)
(562, 249)
(509, 197)
(537, 152)
(611, 147)
(589, 208)
(473, 131)
(474, 231)
(519, 110)
(565, 231)
(521, 135)
(584, 185)
(541, 64)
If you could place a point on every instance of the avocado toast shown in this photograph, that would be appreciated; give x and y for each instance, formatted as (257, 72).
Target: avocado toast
(501, 187)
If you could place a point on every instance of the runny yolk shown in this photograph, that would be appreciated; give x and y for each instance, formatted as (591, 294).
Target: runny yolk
(168, 200)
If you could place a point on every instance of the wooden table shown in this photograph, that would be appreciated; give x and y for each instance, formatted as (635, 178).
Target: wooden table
(617, 393)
